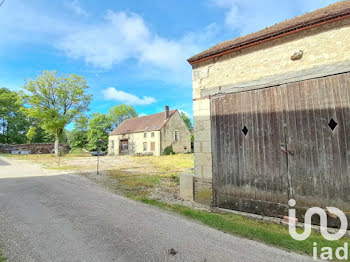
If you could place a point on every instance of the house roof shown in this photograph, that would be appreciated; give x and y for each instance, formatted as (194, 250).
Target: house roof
(339, 10)
(143, 123)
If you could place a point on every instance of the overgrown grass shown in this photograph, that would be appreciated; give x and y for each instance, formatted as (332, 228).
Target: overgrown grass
(168, 163)
(268, 233)
(138, 185)
(2, 258)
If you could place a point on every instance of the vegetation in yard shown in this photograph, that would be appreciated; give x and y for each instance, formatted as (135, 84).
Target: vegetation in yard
(55, 101)
(169, 150)
(2, 258)
(139, 185)
(269, 233)
(187, 120)
(168, 163)
(12, 120)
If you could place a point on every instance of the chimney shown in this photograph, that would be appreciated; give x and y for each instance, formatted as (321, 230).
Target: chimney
(166, 112)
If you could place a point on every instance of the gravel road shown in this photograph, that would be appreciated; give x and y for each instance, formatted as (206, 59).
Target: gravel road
(46, 216)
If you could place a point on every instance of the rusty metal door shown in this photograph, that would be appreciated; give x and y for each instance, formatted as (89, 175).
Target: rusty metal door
(282, 142)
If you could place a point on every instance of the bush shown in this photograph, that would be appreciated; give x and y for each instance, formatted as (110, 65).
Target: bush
(169, 150)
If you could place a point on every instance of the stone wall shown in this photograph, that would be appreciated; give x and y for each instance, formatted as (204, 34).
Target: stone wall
(43, 148)
(136, 141)
(183, 145)
(323, 45)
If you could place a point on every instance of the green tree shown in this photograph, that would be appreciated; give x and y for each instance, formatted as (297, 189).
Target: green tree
(119, 113)
(13, 122)
(56, 100)
(31, 134)
(99, 128)
(77, 138)
(187, 120)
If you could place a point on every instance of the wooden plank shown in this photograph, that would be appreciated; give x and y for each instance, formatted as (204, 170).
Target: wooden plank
(316, 136)
(238, 139)
(344, 84)
(214, 148)
(245, 180)
(256, 170)
(250, 150)
(307, 142)
(269, 158)
(339, 103)
(336, 177)
(282, 119)
(274, 138)
(291, 133)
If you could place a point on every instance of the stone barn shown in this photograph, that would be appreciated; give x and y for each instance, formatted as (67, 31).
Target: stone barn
(272, 116)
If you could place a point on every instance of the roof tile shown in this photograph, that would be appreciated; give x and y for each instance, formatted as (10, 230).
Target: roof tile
(143, 123)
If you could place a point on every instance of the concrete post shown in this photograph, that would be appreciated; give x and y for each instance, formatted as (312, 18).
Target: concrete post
(187, 187)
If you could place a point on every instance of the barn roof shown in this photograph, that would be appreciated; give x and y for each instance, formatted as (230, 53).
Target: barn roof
(339, 10)
(143, 123)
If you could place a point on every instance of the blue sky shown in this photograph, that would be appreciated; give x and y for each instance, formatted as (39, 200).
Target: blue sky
(131, 52)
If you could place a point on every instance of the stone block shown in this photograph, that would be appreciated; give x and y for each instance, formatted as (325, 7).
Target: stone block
(187, 187)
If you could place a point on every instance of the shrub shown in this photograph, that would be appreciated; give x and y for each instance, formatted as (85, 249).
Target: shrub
(169, 150)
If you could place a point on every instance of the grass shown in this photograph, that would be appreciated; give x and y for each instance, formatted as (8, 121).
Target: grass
(268, 233)
(139, 185)
(168, 163)
(2, 258)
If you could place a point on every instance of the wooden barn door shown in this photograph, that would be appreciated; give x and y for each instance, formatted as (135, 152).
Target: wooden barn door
(277, 143)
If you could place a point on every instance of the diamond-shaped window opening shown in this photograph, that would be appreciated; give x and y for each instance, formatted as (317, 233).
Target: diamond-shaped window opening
(245, 130)
(332, 124)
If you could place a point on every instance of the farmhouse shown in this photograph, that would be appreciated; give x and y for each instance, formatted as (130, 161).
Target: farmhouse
(151, 135)
(272, 116)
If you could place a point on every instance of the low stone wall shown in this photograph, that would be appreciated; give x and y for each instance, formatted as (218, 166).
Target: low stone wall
(203, 193)
(44, 148)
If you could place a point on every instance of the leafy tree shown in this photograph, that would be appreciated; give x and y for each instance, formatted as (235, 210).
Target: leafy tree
(77, 138)
(13, 122)
(119, 113)
(99, 128)
(36, 134)
(56, 100)
(31, 134)
(187, 120)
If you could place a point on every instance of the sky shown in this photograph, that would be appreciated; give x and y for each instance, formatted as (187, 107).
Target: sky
(130, 52)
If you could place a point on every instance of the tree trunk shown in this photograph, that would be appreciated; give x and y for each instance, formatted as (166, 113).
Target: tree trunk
(56, 145)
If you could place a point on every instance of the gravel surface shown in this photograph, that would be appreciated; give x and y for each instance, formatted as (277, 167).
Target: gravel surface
(46, 216)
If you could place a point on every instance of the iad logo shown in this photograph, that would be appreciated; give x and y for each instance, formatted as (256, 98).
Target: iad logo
(323, 222)
(341, 253)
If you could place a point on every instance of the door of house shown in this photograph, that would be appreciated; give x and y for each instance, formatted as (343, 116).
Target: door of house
(289, 141)
(124, 146)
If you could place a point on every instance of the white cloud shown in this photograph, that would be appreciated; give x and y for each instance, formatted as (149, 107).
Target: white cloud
(125, 36)
(103, 43)
(112, 93)
(250, 16)
(74, 6)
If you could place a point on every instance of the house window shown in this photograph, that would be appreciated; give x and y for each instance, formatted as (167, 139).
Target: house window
(153, 146)
(152, 134)
(144, 135)
(145, 146)
(176, 135)
(112, 144)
